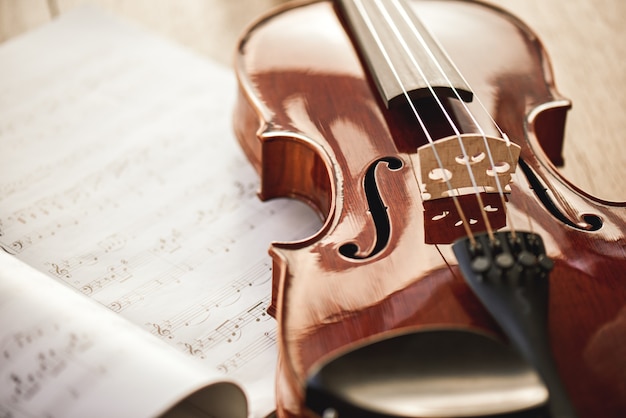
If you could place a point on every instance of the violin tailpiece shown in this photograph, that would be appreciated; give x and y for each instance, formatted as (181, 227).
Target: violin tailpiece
(509, 274)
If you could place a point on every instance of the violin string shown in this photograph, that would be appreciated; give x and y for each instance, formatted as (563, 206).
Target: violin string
(405, 16)
(364, 14)
(402, 10)
(448, 117)
(466, 158)
(482, 106)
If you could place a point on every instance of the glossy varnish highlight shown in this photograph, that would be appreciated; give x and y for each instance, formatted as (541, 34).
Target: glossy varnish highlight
(310, 122)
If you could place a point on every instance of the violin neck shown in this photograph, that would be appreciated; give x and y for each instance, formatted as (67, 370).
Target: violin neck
(401, 55)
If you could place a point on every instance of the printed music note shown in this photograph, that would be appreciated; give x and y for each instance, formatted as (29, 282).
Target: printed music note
(113, 242)
(117, 273)
(65, 268)
(231, 330)
(168, 244)
(259, 311)
(142, 291)
(241, 358)
(198, 313)
(37, 235)
(51, 350)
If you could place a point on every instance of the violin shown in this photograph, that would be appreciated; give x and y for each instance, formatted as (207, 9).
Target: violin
(426, 134)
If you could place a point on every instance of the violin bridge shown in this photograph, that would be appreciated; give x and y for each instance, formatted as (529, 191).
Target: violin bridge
(448, 165)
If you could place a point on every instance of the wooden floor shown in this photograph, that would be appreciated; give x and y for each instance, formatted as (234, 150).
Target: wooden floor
(586, 40)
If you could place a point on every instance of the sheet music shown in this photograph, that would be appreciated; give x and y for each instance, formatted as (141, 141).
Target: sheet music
(62, 355)
(120, 177)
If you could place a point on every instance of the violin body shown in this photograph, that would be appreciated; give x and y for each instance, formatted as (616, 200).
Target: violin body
(311, 123)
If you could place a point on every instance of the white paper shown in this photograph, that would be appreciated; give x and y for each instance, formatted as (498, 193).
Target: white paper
(64, 356)
(120, 177)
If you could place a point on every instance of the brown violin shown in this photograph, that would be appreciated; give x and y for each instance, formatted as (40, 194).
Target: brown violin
(457, 273)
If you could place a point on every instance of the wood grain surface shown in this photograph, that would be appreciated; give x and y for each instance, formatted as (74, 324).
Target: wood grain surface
(584, 38)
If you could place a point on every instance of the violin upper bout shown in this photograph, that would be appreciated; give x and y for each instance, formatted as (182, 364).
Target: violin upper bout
(289, 165)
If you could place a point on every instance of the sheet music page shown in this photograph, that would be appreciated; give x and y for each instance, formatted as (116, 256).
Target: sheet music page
(62, 355)
(120, 177)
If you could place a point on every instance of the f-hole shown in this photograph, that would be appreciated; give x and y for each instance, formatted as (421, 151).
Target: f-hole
(377, 209)
(592, 222)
